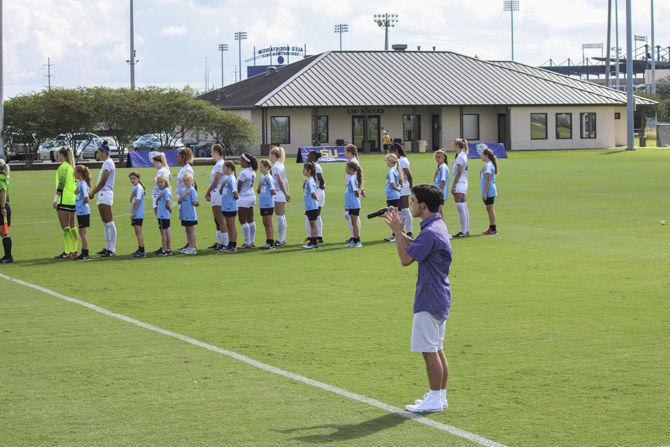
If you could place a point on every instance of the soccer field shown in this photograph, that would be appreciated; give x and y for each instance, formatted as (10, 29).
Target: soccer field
(559, 332)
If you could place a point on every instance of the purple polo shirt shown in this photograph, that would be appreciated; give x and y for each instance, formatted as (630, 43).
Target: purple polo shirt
(432, 250)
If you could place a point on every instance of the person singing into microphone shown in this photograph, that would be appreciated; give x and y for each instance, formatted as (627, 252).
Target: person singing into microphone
(432, 300)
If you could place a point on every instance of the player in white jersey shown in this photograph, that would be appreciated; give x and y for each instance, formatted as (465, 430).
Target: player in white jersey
(459, 186)
(278, 159)
(406, 191)
(213, 196)
(351, 153)
(184, 158)
(247, 200)
(105, 191)
(314, 157)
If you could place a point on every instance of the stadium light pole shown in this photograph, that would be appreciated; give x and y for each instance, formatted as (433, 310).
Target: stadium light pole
(617, 70)
(339, 29)
(609, 43)
(511, 6)
(239, 37)
(386, 21)
(222, 47)
(653, 50)
(630, 99)
(131, 60)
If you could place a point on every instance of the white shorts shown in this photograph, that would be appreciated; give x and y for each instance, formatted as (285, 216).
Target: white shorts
(106, 198)
(427, 333)
(280, 197)
(321, 197)
(461, 188)
(215, 198)
(246, 201)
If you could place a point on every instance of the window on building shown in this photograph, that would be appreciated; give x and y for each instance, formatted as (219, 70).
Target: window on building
(564, 126)
(587, 125)
(538, 126)
(320, 129)
(410, 124)
(617, 115)
(471, 126)
(280, 130)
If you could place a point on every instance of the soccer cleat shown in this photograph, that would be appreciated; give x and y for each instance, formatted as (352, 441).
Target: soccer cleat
(349, 241)
(62, 256)
(108, 254)
(160, 250)
(7, 260)
(390, 238)
(138, 254)
(306, 241)
(247, 246)
(181, 250)
(444, 402)
(319, 240)
(101, 251)
(410, 235)
(310, 246)
(489, 232)
(460, 235)
(280, 244)
(426, 405)
(165, 253)
(267, 247)
(83, 257)
(357, 244)
(190, 251)
(214, 246)
(229, 250)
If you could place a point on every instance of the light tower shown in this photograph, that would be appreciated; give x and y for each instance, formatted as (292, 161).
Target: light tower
(339, 29)
(239, 37)
(222, 47)
(511, 6)
(386, 21)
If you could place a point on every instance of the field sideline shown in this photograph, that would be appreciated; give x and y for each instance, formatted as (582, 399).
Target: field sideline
(559, 332)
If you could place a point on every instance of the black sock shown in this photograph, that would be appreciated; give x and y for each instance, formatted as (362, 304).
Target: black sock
(140, 249)
(357, 239)
(233, 244)
(84, 251)
(492, 227)
(314, 240)
(270, 242)
(7, 245)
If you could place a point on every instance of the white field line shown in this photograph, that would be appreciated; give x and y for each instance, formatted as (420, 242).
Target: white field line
(38, 222)
(477, 439)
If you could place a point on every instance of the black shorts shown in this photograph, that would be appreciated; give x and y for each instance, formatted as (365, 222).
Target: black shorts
(267, 211)
(84, 221)
(229, 213)
(312, 214)
(354, 211)
(386, 147)
(163, 224)
(489, 200)
(9, 214)
(395, 203)
(137, 222)
(189, 223)
(68, 208)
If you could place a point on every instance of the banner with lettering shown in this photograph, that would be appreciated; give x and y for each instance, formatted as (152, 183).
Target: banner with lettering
(142, 159)
(475, 149)
(329, 154)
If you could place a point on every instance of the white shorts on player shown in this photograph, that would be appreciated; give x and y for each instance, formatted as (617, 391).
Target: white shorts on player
(105, 198)
(247, 201)
(215, 198)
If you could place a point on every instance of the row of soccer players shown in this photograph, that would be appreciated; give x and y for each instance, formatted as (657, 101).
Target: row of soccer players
(233, 198)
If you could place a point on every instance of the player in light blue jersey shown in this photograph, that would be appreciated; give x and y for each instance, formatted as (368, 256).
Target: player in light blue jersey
(82, 208)
(137, 212)
(352, 202)
(266, 202)
(488, 188)
(442, 174)
(229, 207)
(164, 213)
(311, 200)
(394, 183)
(188, 200)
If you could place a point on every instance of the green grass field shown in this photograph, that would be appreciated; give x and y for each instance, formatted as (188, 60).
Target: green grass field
(559, 335)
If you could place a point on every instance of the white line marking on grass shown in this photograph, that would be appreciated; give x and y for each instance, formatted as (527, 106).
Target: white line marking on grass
(38, 222)
(265, 367)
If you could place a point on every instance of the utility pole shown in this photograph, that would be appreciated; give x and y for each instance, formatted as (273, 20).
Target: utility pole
(339, 29)
(653, 50)
(609, 42)
(222, 47)
(239, 37)
(385, 21)
(511, 6)
(630, 99)
(617, 70)
(48, 76)
(132, 61)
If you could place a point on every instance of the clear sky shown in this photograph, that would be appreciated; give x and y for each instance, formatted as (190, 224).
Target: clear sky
(88, 40)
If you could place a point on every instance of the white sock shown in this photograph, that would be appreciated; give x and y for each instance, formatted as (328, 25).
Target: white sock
(224, 238)
(281, 228)
(252, 232)
(319, 227)
(462, 210)
(245, 232)
(218, 237)
(107, 236)
(443, 394)
(408, 220)
(111, 241)
(467, 216)
(307, 227)
(434, 394)
(347, 216)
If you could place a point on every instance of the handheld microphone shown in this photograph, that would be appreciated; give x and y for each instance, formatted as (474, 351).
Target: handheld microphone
(378, 213)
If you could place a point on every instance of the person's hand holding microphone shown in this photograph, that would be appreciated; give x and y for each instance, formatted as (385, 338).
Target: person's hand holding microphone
(392, 218)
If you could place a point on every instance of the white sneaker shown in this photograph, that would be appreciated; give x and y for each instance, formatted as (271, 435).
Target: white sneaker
(390, 238)
(190, 251)
(445, 404)
(429, 404)
(357, 245)
(309, 246)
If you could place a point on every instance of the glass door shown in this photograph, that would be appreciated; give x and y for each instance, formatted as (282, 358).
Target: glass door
(358, 131)
(374, 133)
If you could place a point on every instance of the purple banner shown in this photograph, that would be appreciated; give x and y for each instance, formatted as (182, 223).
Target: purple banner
(329, 154)
(474, 149)
(142, 159)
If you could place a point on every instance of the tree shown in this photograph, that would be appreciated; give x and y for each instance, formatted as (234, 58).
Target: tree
(118, 115)
(25, 125)
(235, 132)
(69, 112)
(663, 87)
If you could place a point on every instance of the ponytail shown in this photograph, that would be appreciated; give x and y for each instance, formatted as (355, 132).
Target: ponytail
(268, 165)
(68, 154)
(311, 168)
(85, 173)
(251, 160)
(462, 144)
(219, 149)
(160, 156)
(393, 159)
(489, 153)
(352, 148)
(230, 165)
(279, 154)
(359, 172)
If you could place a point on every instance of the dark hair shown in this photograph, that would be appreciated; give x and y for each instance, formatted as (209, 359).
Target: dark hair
(430, 195)
(359, 171)
(397, 147)
(105, 143)
(85, 173)
(136, 174)
(311, 168)
(489, 153)
(218, 147)
(314, 154)
(185, 154)
(230, 165)
(252, 160)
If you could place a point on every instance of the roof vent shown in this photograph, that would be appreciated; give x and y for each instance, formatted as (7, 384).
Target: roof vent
(399, 47)
(434, 48)
(418, 48)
